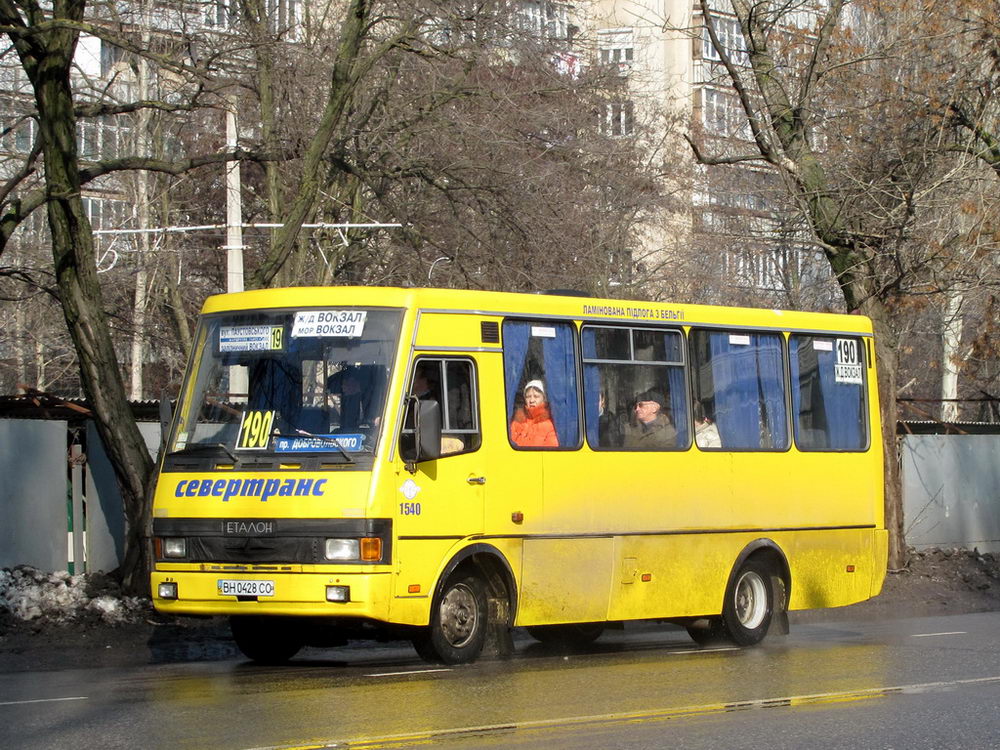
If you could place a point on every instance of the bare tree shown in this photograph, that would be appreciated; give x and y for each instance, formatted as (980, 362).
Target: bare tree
(831, 115)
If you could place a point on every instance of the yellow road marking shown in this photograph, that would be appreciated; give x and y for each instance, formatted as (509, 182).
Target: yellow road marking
(666, 714)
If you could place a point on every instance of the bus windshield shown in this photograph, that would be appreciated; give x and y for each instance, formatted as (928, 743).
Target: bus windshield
(266, 383)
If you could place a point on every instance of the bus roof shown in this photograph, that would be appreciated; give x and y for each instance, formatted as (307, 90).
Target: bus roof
(503, 304)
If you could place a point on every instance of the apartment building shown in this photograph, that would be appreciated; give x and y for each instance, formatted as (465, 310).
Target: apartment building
(730, 229)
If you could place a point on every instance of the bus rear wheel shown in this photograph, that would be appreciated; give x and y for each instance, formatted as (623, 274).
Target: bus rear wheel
(457, 631)
(749, 604)
(266, 640)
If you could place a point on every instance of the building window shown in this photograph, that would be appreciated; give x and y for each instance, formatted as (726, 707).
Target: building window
(219, 15)
(105, 213)
(723, 115)
(758, 268)
(616, 48)
(730, 36)
(619, 119)
(543, 20)
(102, 138)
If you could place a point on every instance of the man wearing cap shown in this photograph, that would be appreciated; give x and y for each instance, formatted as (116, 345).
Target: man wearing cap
(651, 430)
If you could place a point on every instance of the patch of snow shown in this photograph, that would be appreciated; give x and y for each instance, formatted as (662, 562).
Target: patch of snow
(29, 594)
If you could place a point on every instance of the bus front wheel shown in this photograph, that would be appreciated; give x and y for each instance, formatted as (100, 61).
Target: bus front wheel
(457, 631)
(749, 605)
(266, 640)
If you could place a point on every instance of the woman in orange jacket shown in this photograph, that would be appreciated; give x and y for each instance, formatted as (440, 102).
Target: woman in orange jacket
(532, 426)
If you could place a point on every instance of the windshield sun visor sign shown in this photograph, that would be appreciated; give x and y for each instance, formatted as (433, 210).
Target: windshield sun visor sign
(319, 443)
(251, 338)
(322, 323)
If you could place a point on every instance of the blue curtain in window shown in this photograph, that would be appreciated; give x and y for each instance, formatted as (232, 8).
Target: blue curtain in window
(733, 375)
(558, 353)
(678, 403)
(749, 392)
(841, 402)
(515, 352)
(771, 380)
(591, 405)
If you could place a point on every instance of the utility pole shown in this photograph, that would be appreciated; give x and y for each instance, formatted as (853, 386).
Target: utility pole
(238, 376)
(234, 207)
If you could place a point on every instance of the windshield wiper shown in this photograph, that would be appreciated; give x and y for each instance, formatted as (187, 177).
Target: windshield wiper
(205, 448)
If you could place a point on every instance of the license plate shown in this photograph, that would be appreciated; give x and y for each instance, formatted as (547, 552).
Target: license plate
(229, 587)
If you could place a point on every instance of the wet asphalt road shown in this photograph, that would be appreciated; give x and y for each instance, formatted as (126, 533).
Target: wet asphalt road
(914, 683)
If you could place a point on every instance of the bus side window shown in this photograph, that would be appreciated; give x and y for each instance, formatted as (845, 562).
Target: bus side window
(542, 393)
(828, 393)
(739, 379)
(624, 366)
(452, 383)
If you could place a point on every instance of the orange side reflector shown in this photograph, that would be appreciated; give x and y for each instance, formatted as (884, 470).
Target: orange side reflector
(850, 568)
(371, 549)
(413, 588)
(647, 577)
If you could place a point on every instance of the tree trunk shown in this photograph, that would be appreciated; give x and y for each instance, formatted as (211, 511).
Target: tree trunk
(951, 340)
(887, 361)
(47, 56)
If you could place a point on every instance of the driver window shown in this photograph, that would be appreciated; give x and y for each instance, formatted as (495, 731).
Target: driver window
(452, 384)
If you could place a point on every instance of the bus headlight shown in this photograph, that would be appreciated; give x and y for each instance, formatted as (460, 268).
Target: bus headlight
(175, 547)
(366, 549)
(343, 549)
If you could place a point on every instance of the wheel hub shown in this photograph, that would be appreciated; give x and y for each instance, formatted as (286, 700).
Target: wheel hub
(751, 600)
(458, 615)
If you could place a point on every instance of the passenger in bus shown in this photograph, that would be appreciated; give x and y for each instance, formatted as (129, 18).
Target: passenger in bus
(650, 430)
(706, 434)
(609, 429)
(532, 425)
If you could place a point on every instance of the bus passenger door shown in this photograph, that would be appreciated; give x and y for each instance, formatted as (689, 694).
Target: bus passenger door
(443, 500)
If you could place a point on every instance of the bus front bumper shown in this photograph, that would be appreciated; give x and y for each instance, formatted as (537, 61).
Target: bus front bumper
(351, 594)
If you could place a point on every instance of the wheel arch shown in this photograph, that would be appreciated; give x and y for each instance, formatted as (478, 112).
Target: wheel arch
(768, 550)
(496, 571)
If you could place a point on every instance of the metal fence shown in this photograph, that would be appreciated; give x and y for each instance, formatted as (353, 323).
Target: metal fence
(60, 510)
(951, 491)
(57, 511)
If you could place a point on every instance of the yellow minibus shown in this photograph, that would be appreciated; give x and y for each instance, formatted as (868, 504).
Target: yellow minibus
(446, 465)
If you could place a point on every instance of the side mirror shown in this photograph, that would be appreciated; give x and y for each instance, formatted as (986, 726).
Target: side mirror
(428, 430)
(166, 416)
(426, 444)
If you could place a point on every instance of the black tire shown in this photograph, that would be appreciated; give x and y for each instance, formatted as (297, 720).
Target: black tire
(711, 633)
(266, 640)
(749, 604)
(574, 635)
(457, 631)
